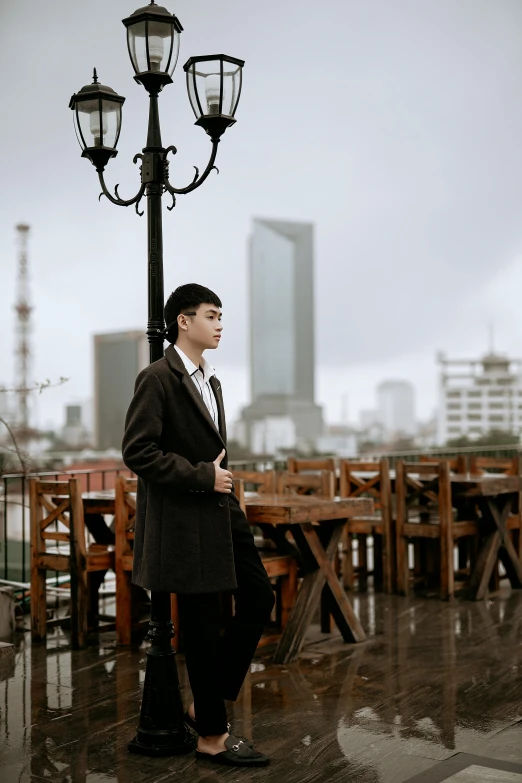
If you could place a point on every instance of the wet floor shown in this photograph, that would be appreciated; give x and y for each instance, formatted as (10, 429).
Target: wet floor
(434, 680)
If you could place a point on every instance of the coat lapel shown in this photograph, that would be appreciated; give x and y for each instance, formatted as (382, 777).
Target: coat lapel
(177, 365)
(216, 388)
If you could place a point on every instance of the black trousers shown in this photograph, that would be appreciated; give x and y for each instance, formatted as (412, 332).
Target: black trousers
(217, 664)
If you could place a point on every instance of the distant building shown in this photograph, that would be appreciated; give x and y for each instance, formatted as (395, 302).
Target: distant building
(118, 358)
(271, 434)
(368, 417)
(340, 440)
(282, 342)
(426, 435)
(396, 409)
(477, 396)
(370, 429)
(74, 432)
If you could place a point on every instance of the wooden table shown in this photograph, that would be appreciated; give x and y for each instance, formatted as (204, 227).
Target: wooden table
(496, 496)
(99, 502)
(316, 526)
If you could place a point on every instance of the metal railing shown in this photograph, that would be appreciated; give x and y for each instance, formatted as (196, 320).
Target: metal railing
(14, 513)
(439, 453)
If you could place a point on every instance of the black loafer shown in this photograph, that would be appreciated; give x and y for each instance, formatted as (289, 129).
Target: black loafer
(237, 754)
(191, 723)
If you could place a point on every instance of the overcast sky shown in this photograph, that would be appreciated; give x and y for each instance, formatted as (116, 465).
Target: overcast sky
(395, 126)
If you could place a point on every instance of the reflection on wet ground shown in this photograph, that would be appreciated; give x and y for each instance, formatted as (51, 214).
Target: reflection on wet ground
(433, 679)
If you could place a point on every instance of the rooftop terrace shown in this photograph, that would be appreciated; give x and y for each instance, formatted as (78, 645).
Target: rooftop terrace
(436, 685)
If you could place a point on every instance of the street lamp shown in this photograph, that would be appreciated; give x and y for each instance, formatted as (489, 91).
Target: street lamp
(214, 88)
(153, 43)
(97, 121)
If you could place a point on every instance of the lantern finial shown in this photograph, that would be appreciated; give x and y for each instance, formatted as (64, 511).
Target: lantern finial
(94, 76)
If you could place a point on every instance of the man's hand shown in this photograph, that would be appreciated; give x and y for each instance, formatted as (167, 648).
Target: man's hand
(223, 481)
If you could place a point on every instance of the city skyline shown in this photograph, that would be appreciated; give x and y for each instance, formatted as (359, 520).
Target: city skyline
(236, 381)
(397, 168)
(337, 390)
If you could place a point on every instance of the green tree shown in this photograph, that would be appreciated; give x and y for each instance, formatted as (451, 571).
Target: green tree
(491, 438)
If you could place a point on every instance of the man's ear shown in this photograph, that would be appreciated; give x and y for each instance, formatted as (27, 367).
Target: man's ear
(182, 322)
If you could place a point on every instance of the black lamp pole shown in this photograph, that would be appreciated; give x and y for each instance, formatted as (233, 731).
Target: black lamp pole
(214, 87)
(152, 176)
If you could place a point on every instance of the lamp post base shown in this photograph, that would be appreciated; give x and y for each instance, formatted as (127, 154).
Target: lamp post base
(162, 730)
(162, 743)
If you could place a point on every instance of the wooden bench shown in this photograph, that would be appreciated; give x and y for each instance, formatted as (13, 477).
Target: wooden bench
(425, 513)
(294, 465)
(321, 484)
(58, 505)
(128, 596)
(372, 480)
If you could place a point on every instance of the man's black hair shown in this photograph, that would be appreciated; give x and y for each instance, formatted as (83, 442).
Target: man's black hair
(183, 299)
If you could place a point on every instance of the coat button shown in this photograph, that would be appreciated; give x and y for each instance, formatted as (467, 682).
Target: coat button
(222, 502)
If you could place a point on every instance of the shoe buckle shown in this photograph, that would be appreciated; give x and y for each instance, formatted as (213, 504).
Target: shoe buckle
(236, 747)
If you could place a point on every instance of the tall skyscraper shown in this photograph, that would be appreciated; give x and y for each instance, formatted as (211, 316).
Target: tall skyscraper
(118, 358)
(282, 340)
(396, 408)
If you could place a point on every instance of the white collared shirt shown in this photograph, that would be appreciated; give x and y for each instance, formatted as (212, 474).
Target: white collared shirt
(202, 382)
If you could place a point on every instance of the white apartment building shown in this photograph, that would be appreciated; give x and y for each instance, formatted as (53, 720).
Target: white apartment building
(477, 396)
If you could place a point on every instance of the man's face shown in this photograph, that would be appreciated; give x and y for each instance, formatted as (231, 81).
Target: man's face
(203, 328)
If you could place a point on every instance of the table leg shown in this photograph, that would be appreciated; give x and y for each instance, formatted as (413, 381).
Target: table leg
(496, 545)
(310, 591)
(507, 552)
(486, 562)
(327, 620)
(341, 608)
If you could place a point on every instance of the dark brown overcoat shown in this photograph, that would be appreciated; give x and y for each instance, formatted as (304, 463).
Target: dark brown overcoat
(183, 540)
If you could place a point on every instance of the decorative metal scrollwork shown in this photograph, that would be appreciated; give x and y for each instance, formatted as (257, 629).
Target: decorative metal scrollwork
(198, 179)
(116, 199)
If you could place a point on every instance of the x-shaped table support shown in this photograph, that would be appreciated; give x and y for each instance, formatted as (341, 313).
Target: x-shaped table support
(317, 556)
(497, 545)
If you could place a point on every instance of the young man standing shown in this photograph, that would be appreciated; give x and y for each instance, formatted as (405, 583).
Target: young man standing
(191, 537)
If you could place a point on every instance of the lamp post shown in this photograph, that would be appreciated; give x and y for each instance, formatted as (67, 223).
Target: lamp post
(214, 89)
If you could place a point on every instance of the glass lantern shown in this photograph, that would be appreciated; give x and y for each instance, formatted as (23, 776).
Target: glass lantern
(153, 36)
(97, 120)
(214, 88)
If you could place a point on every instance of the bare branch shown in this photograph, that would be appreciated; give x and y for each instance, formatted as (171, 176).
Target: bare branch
(39, 387)
(23, 458)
